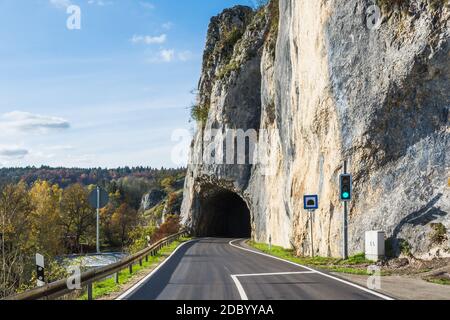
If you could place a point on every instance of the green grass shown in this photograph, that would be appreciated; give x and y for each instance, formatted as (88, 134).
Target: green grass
(354, 265)
(441, 281)
(109, 286)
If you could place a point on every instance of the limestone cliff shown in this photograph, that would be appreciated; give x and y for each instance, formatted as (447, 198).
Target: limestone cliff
(320, 87)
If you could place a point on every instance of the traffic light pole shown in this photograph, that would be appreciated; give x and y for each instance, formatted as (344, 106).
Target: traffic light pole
(345, 224)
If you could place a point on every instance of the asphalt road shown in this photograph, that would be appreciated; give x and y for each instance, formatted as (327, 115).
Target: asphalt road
(215, 269)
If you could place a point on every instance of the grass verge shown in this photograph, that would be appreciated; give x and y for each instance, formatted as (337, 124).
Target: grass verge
(441, 281)
(109, 286)
(354, 265)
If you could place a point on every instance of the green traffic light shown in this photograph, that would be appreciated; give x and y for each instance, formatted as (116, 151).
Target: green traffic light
(346, 195)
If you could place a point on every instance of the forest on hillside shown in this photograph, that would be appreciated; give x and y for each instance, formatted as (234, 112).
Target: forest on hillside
(46, 210)
(67, 176)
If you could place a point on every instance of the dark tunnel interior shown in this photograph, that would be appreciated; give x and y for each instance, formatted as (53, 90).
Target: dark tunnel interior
(224, 214)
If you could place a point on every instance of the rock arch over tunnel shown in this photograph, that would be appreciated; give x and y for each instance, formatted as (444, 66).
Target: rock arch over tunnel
(223, 213)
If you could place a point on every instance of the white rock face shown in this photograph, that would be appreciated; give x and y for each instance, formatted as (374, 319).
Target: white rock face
(333, 90)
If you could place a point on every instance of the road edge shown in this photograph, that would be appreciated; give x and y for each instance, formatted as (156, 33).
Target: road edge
(128, 292)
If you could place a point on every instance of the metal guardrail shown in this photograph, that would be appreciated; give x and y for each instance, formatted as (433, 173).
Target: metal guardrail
(59, 288)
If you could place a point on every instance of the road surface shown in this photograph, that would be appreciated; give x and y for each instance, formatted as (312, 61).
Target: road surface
(227, 269)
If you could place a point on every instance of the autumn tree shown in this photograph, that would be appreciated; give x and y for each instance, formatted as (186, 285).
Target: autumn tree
(15, 212)
(77, 217)
(106, 225)
(46, 229)
(170, 226)
(123, 220)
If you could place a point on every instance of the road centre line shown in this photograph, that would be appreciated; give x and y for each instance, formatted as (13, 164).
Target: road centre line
(273, 274)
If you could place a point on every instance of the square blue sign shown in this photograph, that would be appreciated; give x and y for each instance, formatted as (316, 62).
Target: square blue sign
(311, 202)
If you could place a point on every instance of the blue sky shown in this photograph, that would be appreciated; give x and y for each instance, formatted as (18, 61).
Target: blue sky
(110, 94)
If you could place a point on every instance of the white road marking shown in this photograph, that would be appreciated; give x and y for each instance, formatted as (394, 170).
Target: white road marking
(272, 274)
(140, 283)
(240, 288)
(382, 296)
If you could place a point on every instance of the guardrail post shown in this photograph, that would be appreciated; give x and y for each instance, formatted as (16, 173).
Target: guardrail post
(146, 258)
(89, 291)
(117, 278)
(130, 267)
(140, 262)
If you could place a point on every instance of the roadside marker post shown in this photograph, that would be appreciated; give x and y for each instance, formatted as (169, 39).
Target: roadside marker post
(270, 243)
(311, 204)
(40, 270)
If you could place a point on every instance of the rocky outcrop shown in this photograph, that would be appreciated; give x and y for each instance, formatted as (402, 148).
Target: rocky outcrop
(152, 198)
(321, 88)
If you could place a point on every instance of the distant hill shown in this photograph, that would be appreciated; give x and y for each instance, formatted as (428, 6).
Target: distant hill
(67, 176)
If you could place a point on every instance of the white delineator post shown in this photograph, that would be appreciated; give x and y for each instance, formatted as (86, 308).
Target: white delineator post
(40, 270)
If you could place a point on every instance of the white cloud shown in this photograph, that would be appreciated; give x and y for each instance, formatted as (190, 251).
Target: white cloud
(61, 4)
(185, 55)
(167, 55)
(168, 25)
(147, 5)
(100, 3)
(12, 152)
(18, 121)
(149, 39)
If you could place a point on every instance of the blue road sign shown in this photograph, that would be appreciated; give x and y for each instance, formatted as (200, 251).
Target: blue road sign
(98, 198)
(311, 202)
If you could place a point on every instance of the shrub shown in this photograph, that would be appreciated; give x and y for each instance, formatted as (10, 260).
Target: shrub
(171, 226)
(438, 234)
(228, 69)
(388, 5)
(405, 247)
(200, 113)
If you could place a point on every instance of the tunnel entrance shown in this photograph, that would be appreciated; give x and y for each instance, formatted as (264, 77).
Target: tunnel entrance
(224, 214)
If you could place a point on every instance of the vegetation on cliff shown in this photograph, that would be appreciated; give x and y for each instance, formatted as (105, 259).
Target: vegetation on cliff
(230, 46)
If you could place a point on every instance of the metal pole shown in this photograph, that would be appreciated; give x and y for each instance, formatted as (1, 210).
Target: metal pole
(89, 291)
(98, 219)
(345, 224)
(345, 255)
(311, 215)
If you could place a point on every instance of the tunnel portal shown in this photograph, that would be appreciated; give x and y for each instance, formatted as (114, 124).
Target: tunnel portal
(224, 213)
